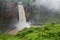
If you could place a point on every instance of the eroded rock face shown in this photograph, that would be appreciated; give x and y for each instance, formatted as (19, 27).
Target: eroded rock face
(9, 15)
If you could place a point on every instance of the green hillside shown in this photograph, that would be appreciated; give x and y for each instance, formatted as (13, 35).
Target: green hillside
(46, 32)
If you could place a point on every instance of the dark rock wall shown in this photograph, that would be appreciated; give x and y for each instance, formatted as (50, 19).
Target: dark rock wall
(8, 15)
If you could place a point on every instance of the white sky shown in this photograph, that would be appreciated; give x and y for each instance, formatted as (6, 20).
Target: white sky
(50, 4)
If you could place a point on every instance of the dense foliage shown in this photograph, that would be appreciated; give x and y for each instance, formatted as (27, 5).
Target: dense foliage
(46, 32)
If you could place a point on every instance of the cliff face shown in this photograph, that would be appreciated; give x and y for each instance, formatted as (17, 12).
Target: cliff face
(42, 15)
(9, 15)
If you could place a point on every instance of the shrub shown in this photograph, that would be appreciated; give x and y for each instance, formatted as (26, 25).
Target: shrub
(46, 32)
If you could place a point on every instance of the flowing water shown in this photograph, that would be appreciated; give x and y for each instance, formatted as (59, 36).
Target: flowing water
(22, 19)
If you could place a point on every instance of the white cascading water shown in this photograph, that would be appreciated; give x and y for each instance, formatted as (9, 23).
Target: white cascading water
(22, 19)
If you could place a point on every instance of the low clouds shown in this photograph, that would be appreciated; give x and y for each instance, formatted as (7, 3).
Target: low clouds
(50, 4)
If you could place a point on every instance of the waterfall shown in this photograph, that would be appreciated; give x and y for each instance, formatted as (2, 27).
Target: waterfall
(22, 19)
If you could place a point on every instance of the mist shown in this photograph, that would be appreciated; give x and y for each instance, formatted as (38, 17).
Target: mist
(50, 4)
(42, 11)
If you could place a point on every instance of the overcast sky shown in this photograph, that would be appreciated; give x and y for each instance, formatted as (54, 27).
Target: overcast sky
(50, 4)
